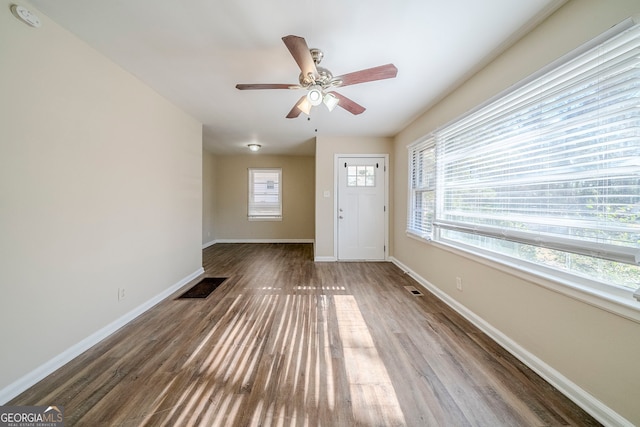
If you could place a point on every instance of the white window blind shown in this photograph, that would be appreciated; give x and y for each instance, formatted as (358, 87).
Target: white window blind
(548, 173)
(422, 188)
(265, 195)
(554, 163)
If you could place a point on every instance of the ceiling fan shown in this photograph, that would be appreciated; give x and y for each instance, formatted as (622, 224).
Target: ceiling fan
(319, 81)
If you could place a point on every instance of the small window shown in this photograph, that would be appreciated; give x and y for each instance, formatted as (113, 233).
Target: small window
(361, 176)
(422, 188)
(265, 195)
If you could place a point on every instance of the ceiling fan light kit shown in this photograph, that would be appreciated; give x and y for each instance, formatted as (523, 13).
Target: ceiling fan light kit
(254, 147)
(315, 95)
(330, 100)
(317, 80)
(303, 105)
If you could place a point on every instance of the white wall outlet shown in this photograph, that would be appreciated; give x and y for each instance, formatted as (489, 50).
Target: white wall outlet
(121, 294)
(459, 283)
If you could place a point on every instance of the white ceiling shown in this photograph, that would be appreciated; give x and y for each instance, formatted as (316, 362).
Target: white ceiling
(194, 53)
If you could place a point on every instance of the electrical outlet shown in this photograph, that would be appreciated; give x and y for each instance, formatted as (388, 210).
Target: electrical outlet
(459, 283)
(121, 294)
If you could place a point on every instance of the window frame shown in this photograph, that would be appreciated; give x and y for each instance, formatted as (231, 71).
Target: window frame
(610, 297)
(255, 215)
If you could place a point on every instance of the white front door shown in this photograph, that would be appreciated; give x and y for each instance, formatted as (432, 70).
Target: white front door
(361, 208)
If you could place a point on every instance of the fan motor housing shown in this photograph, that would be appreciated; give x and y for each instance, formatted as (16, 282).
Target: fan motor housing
(324, 78)
(316, 55)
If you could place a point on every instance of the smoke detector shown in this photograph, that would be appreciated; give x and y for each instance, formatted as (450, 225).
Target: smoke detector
(25, 15)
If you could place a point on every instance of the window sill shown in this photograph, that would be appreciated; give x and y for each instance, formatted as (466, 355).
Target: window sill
(264, 218)
(617, 301)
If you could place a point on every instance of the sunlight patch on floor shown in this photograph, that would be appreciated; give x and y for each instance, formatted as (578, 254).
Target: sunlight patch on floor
(373, 398)
(291, 333)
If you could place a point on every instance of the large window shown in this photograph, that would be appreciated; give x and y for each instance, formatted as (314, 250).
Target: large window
(548, 174)
(265, 194)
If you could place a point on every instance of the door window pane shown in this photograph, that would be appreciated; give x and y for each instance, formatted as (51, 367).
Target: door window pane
(361, 176)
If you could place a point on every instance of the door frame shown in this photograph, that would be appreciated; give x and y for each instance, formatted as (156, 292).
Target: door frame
(336, 186)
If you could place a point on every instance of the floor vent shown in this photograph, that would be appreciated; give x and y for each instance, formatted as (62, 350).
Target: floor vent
(413, 291)
(203, 288)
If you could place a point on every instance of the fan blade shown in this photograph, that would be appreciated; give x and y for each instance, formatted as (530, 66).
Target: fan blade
(382, 72)
(347, 104)
(300, 52)
(302, 106)
(251, 86)
(295, 112)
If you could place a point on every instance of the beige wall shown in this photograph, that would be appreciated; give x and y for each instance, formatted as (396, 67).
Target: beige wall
(100, 188)
(596, 350)
(326, 149)
(231, 193)
(208, 197)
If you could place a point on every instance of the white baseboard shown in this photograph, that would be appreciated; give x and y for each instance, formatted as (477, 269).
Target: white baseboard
(264, 241)
(211, 243)
(28, 380)
(579, 396)
(325, 259)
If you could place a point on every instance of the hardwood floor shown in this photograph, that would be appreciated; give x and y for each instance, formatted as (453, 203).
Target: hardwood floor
(286, 341)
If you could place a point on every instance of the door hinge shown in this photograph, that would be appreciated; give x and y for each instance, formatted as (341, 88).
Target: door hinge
(376, 166)
(384, 208)
(345, 164)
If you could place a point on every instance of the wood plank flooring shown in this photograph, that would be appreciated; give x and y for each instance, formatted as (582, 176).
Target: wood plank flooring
(285, 341)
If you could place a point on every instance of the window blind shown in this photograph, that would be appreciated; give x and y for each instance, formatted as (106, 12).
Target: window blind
(422, 187)
(556, 162)
(265, 196)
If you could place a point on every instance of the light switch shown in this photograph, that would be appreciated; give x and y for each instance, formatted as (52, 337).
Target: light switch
(327, 193)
